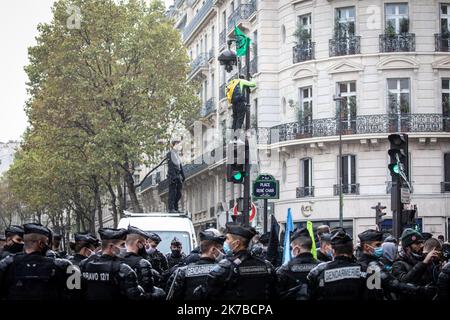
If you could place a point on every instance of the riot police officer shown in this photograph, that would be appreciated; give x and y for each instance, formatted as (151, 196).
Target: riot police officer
(157, 259)
(134, 257)
(176, 256)
(30, 275)
(292, 282)
(185, 280)
(380, 284)
(240, 276)
(324, 252)
(106, 276)
(84, 247)
(13, 241)
(340, 279)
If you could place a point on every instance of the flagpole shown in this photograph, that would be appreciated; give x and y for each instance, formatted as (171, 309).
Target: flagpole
(247, 202)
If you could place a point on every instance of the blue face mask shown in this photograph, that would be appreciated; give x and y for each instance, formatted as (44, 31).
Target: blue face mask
(330, 253)
(226, 248)
(378, 252)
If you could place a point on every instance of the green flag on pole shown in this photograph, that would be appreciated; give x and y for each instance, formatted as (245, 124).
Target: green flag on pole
(242, 42)
(309, 227)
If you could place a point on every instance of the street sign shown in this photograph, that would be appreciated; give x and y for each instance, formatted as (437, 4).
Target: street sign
(405, 195)
(265, 187)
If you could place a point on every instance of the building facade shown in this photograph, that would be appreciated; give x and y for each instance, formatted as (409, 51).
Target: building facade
(389, 62)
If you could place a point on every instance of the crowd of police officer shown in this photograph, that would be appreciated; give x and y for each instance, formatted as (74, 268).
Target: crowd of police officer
(126, 264)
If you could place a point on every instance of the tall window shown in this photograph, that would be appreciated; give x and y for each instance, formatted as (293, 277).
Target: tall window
(213, 85)
(303, 32)
(206, 43)
(213, 37)
(345, 22)
(446, 103)
(306, 177)
(446, 184)
(304, 115)
(348, 172)
(224, 19)
(347, 90)
(397, 17)
(398, 96)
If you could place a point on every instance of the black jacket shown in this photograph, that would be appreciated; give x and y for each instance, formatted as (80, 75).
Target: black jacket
(443, 284)
(323, 257)
(292, 276)
(340, 279)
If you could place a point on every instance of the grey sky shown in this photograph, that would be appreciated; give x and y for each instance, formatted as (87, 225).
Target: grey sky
(18, 22)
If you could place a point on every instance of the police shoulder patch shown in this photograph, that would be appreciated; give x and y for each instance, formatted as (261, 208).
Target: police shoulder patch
(261, 269)
(303, 267)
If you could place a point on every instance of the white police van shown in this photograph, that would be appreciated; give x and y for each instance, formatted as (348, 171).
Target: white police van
(166, 225)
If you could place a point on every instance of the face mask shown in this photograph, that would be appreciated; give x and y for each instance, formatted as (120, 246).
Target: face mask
(15, 247)
(220, 256)
(330, 253)
(378, 252)
(227, 249)
(176, 253)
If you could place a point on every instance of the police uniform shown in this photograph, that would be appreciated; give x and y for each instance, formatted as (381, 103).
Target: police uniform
(175, 259)
(143, 267)
(340, 279)
(443, 284)
(186, 279)
(292, 282)
(241, 276)
(107, 277)
(158, 261)
(83, 240)
(322, 257)
(388, 285)
(15, 247)
(33, 276)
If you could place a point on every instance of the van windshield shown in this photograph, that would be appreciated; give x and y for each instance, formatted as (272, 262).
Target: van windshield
(167, 237)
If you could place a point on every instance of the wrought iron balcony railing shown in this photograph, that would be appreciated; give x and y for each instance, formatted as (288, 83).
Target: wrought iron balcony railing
(208, 108)
(442, 42)
(222, 38)
(303, 192)
(199, 62)
(345, 46)
(346, 189)
(204, 10)
(303, 52)
(379, 123)
(401, 42)
(243, 12)
(445, 186)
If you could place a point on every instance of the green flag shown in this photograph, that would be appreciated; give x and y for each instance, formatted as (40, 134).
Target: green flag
(309, 227)
(242, 42)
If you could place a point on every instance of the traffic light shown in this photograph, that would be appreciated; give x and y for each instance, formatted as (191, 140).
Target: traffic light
(398, 154)
(379, 214)
(235, 163)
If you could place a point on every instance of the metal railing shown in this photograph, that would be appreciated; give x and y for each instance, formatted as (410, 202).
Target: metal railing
(345, 46)
(204, 10)
(243, 12)
(401, 42)
(378, 123)
(303, 52)
(199, 62)
(303, 192)
(442, 42)
(208, 108)
(346, 189)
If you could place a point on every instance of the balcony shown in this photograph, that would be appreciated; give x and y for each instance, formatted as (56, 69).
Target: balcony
(199, 64)
(222, 91)
(208, 108)
(222, 38)
(379, 123)
(211, 54)
(442, 42)
(345, 46)
(198, 18)
(303, 52)
(241, 14)
(303, 192)
(402, 42)
(445, 187)
(346, 189)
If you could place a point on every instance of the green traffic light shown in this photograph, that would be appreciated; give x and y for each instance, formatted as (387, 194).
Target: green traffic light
(396, 169)
(237, 176)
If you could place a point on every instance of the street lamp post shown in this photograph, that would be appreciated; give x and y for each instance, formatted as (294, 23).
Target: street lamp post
(338, 100)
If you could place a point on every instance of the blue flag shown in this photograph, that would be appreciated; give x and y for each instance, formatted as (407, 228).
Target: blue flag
(287, 237)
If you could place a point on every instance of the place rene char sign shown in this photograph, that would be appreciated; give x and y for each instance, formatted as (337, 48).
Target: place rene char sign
(265, 187)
